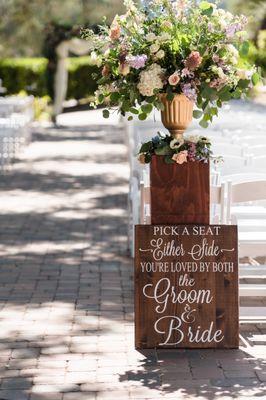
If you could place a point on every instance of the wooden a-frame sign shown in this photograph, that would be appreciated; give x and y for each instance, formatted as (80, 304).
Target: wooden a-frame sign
(186, 286)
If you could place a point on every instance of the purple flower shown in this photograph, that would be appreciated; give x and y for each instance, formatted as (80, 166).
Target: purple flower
(137, 62)
(232, 29)
(189, 91)
(186, 73)
(210, 27)
(156, 139)
(192, 152)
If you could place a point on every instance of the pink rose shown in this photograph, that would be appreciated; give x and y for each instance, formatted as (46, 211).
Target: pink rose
(193, 61)
(115, 32)
(174, 79)
(181, 157)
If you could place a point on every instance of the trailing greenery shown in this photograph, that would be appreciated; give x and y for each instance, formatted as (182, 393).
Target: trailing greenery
(29, 75)
(177, 150)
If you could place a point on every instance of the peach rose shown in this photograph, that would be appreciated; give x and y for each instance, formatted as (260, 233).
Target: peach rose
(174, 79)
(181, 157)
(105, 70)
(141, 158)
(115, 32)
(124, 69)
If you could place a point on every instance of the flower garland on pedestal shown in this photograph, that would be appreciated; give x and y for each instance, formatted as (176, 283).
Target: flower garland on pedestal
(183, 149)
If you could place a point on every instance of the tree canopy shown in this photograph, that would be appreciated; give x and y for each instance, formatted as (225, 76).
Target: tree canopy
(23, 22)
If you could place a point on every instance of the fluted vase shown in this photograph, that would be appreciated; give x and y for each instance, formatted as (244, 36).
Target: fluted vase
(177, 114)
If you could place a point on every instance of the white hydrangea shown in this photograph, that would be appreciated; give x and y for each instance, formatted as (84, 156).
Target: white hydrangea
(193, 138)
(150, 79)
(150, 37)
(232, 54)
(244, 74)
(218, 71)
(154, 48)
(164, 37)
(159, 55)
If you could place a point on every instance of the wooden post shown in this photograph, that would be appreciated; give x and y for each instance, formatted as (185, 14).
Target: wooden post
(180, 194)
(186, 286)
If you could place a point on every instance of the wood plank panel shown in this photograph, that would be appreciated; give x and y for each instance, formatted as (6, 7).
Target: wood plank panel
(180, 194)
(186, 286)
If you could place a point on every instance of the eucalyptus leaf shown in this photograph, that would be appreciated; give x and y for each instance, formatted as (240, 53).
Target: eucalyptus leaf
(243, 83)
(204, 124)
(101, 98)
(146, 108)
(142, 116)
(170, 96)
(114, 97)
(197, 114)
(244, 49)
(147, 158)
(159, 105)
(168, 159)
(134, 110)
(162, 150)
(106, 113)
(145, 147)
(255, 78)
(204, 5)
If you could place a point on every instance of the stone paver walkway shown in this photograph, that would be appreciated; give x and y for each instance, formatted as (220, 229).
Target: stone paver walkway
(66, 315)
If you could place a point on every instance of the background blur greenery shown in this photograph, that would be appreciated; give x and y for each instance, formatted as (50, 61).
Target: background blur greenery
(31, 29)
(23, 22)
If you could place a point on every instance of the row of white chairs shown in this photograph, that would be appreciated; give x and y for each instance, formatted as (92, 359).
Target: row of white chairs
(229, 202)
(16, 115)
(244, 161)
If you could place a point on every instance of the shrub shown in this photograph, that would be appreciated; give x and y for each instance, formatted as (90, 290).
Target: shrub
(81, 83)
(29, 75)
(24, 74)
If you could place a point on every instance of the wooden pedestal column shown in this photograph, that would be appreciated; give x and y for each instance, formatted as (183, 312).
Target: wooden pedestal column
(180, 194)
(186, 286)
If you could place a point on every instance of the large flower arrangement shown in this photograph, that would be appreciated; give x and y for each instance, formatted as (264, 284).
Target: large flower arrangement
(167, 46)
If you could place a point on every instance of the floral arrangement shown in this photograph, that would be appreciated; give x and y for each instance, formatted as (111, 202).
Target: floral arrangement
(167, 46)
(191, 148)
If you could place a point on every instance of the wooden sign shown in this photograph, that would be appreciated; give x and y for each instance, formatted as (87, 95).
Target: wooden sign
(180, 194)
(186, 286)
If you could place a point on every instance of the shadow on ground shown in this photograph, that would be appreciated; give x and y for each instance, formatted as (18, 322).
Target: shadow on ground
(66, 282)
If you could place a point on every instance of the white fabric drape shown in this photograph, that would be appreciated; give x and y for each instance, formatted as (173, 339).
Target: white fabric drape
(76, 46)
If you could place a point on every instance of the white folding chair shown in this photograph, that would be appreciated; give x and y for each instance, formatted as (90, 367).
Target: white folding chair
(145, 199)
(227, 149)
(252, 237)
(232, 164)
(257, 150)
(217, 204)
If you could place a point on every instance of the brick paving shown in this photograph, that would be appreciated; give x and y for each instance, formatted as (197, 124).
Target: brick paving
(66, 298)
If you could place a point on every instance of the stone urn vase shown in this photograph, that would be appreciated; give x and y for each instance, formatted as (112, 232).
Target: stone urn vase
(177, 114)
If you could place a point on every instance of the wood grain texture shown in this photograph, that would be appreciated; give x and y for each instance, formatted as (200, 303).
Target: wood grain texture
(222, 312)
(180, 194)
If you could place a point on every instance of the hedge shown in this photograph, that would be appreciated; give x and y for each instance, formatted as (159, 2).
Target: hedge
(29, 74)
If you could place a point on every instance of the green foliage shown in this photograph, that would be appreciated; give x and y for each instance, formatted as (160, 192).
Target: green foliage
(24, 74)
(28, 74)
(193, 148)
(23, 23)
(81, 83)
